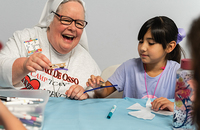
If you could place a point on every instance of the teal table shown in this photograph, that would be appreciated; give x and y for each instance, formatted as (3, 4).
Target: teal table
(91, 114)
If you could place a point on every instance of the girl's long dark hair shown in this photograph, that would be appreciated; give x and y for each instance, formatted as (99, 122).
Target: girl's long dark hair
(163, 30)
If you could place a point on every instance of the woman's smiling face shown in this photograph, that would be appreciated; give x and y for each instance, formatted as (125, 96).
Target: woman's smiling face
(64, 38)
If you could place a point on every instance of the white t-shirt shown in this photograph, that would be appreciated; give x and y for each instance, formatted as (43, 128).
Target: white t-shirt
(79, 63)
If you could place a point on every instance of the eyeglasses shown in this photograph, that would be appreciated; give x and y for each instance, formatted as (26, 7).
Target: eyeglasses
(67, 21)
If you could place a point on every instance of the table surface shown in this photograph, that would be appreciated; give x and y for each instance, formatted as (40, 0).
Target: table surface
(91, 114)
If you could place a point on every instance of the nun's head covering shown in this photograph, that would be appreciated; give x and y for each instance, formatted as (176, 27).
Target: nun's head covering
(47, 17)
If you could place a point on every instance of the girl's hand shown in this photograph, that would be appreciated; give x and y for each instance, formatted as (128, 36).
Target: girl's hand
(162, 104)
(97, 81)
(94, 81)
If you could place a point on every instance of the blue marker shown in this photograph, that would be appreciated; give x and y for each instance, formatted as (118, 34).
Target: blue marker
(111, 111)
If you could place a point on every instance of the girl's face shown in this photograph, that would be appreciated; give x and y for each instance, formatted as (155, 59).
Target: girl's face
(65, 37)
(151, 52)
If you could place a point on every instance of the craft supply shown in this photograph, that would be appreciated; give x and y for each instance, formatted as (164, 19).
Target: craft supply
(24, 102)
(146, 113)
(55, 66)
(61, 69)
(30, 122)
(99, 88)
(8, 99)
(27, 117)
(27, 105)
(111, 111)
(24, 109)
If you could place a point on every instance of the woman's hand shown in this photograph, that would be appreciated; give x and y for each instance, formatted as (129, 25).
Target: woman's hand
(76, 92)
(22, 66)
(36, 61)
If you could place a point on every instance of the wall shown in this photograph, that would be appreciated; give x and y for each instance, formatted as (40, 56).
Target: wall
(113, 24)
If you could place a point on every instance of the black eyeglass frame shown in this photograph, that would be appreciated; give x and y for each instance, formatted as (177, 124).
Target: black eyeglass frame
(60, 16)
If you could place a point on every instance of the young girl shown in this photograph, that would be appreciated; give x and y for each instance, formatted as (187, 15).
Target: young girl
(153, 75)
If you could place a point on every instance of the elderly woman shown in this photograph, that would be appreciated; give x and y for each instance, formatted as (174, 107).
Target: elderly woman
(53, 55)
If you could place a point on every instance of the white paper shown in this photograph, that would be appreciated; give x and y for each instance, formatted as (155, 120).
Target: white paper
(136, 106)
(163, 112)
(146, 112)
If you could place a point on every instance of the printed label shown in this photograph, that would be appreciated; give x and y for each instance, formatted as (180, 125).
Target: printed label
(32, 46)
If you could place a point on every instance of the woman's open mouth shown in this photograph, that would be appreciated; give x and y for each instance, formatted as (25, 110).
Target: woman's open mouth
(68, 37)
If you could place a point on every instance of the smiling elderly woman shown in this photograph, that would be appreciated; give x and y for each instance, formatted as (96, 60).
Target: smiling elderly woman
(28, 59)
